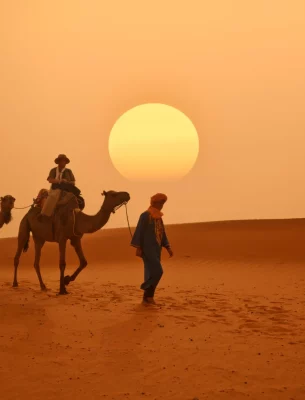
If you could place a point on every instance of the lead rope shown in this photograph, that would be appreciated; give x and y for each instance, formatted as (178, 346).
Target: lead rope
(75, 234)
(119, 206)
(23, 208)
(128, 220)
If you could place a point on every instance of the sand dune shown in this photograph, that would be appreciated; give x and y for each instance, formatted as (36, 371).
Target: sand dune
(230, 323)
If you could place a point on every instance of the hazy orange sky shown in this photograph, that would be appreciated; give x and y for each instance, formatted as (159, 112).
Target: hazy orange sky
(69, 69)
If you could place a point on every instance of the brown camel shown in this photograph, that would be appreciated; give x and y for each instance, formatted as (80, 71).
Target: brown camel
(7, 204)
(58, 229)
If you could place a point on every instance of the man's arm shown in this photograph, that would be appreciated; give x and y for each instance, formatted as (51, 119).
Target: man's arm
(165, 243)
(52, 176)
(72, 177)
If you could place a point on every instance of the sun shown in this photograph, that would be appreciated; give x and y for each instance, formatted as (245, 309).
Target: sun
(153, 142)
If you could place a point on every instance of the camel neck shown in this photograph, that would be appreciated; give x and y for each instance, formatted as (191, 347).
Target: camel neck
(101, 219)
(92, 223)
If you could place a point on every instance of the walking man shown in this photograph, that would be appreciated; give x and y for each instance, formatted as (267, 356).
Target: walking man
(149, 238)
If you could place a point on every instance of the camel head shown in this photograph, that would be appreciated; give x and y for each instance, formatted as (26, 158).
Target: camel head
(7, 204)
(114, 200)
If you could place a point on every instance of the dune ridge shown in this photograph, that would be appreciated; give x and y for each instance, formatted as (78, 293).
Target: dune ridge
(266, 239)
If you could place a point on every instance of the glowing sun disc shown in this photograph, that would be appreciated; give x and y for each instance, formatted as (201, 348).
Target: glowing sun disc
(153, 142)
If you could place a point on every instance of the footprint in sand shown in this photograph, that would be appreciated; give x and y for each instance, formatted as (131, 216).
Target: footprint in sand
(187, 318)
(279, 329)
(251, 326)
(236, 310)
(185, 292)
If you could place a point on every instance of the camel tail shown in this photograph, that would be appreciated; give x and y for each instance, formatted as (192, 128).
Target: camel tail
(27, 245)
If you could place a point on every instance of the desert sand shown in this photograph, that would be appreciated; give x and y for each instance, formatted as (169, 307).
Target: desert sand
(229, 324)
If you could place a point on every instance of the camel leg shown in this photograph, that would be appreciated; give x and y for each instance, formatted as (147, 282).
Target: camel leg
(38, 247)
(16, 260)
(62, 266)
(76, 243)
(23, 245)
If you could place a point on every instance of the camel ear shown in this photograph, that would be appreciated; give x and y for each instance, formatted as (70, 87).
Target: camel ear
(104, 193)
(1, 198)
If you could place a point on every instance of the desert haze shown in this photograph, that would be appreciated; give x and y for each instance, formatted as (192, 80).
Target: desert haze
(229, 324)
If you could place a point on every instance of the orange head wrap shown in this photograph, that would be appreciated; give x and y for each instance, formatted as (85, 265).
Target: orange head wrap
(158, 198)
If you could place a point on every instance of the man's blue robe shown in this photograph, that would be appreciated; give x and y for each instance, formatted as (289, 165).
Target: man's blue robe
(150, 236)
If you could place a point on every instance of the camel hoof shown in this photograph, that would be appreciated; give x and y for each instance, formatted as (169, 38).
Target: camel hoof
(44, 288)
(15, 284)
(62, 292)
(67, 279)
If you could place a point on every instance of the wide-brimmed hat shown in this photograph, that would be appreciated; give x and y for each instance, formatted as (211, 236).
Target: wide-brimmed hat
(61, 157)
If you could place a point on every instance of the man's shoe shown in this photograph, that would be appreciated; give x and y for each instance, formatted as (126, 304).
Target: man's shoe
(148, 300)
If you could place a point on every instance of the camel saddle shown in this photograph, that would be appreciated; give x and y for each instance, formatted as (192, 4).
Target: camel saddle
(64, 211)
(67, 188)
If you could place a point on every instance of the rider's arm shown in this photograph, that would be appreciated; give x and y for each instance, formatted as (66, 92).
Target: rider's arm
(72, 177)
(52, 176)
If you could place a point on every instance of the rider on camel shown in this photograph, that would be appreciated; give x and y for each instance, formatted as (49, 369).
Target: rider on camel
(62, 180)
(61, 174)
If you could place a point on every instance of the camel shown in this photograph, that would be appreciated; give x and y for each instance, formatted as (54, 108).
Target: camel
(68, 223)
(7, 204)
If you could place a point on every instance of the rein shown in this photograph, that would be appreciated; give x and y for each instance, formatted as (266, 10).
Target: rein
(119, 206)
(23, 208)
(128, 220)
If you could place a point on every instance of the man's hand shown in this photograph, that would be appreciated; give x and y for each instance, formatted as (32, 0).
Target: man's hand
(170, 252)
(139, 252)
(63, 181)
